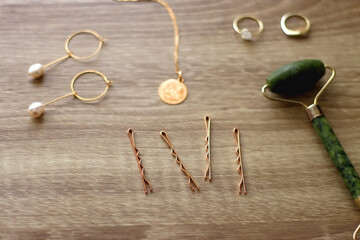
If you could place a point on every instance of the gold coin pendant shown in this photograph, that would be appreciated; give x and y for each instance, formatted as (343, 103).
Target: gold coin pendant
(173, 91)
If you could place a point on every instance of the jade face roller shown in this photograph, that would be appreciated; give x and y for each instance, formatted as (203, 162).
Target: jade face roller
(298, 77)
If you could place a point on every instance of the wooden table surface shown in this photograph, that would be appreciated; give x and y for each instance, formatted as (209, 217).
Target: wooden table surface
(72, 174)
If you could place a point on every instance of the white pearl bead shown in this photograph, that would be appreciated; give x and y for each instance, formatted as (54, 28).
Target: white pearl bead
(246, 34)
(36, 109)
(36, 70)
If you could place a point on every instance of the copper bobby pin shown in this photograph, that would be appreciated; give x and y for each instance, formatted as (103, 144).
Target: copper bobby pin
(239, 160)
(208, 172)
(146, 183)
(192, 182)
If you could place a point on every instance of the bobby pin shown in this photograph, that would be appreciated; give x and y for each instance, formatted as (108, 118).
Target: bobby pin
(242, 184)
(208, 172)
(192, 182)
(146, 183)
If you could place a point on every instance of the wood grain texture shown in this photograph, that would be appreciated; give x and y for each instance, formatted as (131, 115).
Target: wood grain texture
(72, 174)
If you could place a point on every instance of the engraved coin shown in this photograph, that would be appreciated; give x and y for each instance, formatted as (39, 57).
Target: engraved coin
(173, 92)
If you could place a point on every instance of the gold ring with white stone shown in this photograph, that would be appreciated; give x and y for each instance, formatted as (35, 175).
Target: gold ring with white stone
(295, 32)
(244, 32)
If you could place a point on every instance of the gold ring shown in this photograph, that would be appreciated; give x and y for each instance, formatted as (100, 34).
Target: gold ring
(67, 42)
(245, 33)
(291, 32)
(108, 84)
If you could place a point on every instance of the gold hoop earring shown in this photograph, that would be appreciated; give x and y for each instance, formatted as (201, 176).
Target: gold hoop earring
(36, 109)
(244, 32)
(298, 32)
(37, 70)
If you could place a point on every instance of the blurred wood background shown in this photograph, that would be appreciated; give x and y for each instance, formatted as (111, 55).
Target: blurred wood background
(72, 173)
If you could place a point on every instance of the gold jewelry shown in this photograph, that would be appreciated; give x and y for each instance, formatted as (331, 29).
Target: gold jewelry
(144, 180)
(36, 109)
(171, 91)
(208, 172)
(244, 32)
(37, 70)
(295, 33)
(242, 184)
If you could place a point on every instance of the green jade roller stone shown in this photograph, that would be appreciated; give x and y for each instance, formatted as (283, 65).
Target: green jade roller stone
(298, 77)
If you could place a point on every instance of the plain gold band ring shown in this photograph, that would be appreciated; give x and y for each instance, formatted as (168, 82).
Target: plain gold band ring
(245, 33)
(292, 32)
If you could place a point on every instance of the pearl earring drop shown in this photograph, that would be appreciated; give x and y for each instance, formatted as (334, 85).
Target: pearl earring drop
(37, 70)
(36, 109)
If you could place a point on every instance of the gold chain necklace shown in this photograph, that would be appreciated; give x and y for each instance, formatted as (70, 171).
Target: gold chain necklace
(171, 91)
